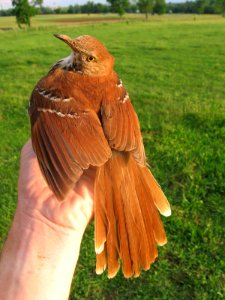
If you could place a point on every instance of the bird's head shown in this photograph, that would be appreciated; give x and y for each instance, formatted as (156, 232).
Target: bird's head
(89, 56)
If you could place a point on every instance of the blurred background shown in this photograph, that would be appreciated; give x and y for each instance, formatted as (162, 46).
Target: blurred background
(171, 58)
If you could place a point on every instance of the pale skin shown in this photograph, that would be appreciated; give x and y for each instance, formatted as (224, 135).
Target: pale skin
(41, 252)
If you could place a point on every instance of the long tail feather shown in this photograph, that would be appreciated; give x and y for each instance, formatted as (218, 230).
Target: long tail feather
(159, 198)
(101, 262)
(127, 223)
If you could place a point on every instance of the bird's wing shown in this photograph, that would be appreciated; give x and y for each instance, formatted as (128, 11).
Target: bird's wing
(66, 140)
(120, 123)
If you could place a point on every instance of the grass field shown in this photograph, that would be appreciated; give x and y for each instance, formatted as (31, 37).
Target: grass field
(40, 21)
(174, 70)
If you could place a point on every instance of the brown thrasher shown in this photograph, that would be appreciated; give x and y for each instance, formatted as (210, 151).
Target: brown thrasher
(81, 116)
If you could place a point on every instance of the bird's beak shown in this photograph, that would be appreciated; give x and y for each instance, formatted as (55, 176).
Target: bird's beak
(65, 38)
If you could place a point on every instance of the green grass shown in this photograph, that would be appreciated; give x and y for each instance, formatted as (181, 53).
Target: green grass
(68, 20)
(174, 70)
(7, 23)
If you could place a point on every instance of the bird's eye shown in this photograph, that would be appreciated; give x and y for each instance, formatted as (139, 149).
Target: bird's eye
(90, 58)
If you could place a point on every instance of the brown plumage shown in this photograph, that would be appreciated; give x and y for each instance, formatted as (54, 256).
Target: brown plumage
(81, 116)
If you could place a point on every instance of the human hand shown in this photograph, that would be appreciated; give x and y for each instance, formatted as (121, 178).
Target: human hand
(43, 244)
(37, 200)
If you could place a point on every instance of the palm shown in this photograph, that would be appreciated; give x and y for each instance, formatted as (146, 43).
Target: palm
(35, 197)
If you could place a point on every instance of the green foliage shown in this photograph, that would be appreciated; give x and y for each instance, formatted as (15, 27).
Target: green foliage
(159, 7)
(119, 6)
(220, 7)
(173, 68)
(88, 7)
(37, 2)
(23, 11)
(6, 12)
(146, 6)
(91, 7)
(193, 7)
(200, 6)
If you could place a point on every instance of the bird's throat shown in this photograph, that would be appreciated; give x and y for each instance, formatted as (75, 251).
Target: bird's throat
(69, 63)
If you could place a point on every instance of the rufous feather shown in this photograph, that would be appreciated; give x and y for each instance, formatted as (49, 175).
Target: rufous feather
(82, 117)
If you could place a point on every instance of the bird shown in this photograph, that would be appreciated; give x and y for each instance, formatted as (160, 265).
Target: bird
(82, 117)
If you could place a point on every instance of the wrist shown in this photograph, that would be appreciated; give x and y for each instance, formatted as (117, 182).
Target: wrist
(43, 224)
(38, 255)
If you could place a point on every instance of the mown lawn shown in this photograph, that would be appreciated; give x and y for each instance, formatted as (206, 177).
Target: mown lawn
(174, 70)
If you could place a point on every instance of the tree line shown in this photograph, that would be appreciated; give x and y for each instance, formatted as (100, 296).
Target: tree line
(25, 9)
(198, 7)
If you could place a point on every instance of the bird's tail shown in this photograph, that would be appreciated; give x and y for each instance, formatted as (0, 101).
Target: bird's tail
(127, 223)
